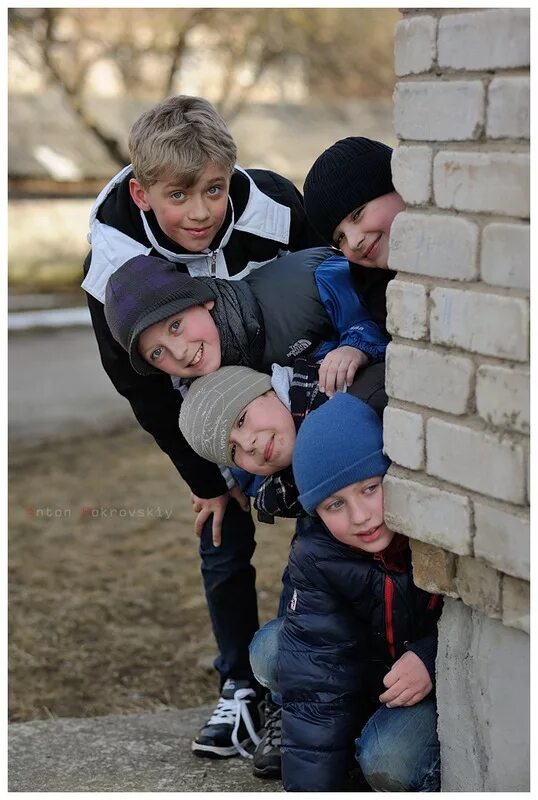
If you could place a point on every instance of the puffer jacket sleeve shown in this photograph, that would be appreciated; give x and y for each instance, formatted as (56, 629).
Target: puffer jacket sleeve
(320, 677)
(347, 311)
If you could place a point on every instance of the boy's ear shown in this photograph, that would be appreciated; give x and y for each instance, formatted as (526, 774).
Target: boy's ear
(139, 195)
(209, 304)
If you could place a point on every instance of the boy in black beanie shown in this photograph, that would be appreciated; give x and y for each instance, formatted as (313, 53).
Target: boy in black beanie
(351, 201)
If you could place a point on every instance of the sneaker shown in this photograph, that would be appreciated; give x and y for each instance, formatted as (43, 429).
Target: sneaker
(234, 724)
(267, 758)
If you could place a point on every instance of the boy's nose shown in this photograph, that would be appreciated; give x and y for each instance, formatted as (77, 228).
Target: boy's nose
(178, 349)
(358, 242)
(198, 209)
(247, 440)
(359, 515)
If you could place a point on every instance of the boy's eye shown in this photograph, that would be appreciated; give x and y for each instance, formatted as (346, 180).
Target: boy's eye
(371, 488)
(156, 354)
(356, 214)
(177, 195)
(214, 190)
(241, 419)
(232, 452)
(338, 239)
(335, 505)
(174, 326)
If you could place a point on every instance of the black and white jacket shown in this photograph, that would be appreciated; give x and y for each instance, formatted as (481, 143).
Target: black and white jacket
(265, 219)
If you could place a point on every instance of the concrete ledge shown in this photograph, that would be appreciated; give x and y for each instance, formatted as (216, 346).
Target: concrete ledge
(122, 753)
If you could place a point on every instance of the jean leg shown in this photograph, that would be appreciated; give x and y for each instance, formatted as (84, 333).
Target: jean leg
(230, 588)
(398, 749)
(264, 654)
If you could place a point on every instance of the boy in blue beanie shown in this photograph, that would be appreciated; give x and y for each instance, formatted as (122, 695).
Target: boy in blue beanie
(355, 654)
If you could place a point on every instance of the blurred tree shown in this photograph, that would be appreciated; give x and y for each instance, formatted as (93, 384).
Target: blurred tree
(340, 52)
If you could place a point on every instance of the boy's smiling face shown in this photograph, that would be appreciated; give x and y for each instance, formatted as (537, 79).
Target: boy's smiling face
(263, 436)
(189, 215)
(186, 344)
(363, 236)
(354, 516)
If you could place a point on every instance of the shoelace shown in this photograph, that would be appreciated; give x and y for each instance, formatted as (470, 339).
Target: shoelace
(231, 712)
(243, 713)
(273, 728)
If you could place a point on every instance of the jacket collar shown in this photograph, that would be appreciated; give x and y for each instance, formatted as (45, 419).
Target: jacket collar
(395, 556)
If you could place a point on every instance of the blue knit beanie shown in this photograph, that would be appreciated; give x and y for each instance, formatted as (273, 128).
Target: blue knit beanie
(338, 444)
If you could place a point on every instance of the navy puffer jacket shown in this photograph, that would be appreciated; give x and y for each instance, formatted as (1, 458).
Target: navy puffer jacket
(351, 617)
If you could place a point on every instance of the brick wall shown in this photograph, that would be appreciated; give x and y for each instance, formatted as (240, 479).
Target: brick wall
(457, 423)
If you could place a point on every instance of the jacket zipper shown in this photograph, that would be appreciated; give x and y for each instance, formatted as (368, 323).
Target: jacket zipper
(388, 596)
(213, 267)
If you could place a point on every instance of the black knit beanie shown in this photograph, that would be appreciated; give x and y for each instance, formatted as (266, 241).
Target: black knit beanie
(145, 290)
(344, 177)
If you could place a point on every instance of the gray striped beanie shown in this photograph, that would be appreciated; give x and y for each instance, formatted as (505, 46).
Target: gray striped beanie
(212, 405)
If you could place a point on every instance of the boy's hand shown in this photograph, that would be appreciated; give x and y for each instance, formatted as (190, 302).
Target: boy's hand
(408, 682)
(338, 368)
(205, 506)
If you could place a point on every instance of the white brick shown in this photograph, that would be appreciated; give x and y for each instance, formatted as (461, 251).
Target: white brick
(503, 540)
(439, 110)
(415, 45)
(403, 436)
(434, 244)
(476, 460)
(503, 397)
(505, 259)
(407, 309)
(429, 514)
(490, 39)
(494, 182)
(436, 380)
(508, 113)
(490, 324)
(516, 604)
(412, 173)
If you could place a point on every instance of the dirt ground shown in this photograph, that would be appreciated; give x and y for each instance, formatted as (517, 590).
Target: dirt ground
(106, 611)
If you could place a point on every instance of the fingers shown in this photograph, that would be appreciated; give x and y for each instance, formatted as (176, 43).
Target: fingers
(397, 696)
(391, 677)
(200, 521)
(217, 526)
(241, 498)
(338, 368)
(350, 373)
(333, 377)
(406, 698)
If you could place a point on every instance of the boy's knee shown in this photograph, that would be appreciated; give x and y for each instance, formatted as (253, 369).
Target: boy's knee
(381, 766)
(263, 652)
(398, 750)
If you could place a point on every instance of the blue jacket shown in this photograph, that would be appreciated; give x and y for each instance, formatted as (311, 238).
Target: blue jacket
(351, 617)
(306, 303)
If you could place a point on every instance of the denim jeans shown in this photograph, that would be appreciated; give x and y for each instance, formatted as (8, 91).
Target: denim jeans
(230, 589)
(398, 748)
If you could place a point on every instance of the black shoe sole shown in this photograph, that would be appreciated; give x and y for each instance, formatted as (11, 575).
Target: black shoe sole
(267, 773)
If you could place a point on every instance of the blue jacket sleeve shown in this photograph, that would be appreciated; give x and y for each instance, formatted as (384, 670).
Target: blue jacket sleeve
(347, 312)
(426, 650)
(319, 677)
